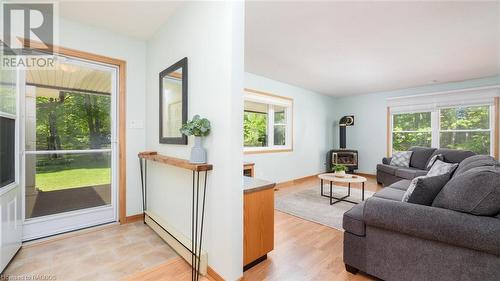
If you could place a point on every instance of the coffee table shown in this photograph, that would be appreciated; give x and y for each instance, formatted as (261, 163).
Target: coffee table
(330, 177)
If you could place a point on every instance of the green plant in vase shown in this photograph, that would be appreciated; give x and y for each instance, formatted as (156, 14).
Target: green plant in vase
(197, 127)
(339, 170)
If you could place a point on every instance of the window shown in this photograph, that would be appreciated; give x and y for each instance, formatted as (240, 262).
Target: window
(7, 127)
(266, 122)
(411, 129)
(459, 127)
(466, 128)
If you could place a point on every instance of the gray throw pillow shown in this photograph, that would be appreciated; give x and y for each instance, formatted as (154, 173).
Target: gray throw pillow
(401, 159)
(425, 189)
(433, 160)
(476, 192)
(441, 168)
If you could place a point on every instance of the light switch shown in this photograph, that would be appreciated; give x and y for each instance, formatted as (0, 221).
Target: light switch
(136, 124)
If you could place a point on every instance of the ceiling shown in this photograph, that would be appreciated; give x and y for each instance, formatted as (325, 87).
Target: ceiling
(351, 48)
(71, 78)
(138, 19)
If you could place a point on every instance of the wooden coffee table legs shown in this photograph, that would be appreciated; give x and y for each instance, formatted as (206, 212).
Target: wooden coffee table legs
(342, 199)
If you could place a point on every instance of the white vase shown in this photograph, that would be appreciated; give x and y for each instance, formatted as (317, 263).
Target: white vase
(340, 174)
(198, 153)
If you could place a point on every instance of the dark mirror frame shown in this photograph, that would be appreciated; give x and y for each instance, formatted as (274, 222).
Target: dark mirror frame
(183, 63)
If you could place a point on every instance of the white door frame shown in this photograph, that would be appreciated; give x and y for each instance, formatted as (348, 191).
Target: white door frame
(11, 224)
(40, 227)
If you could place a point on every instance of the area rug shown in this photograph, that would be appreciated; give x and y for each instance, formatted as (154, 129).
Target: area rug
(308, 204)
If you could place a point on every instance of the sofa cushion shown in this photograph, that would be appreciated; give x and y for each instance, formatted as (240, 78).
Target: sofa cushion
(453, 155)
(476, 192)
(353, 220)
(433, 160)
(409, 173)
(401, 185)
(420, 156)
(401, 159)
(423, 190)
(387, 169)
(441, 168)
(390, 193)
(474, 162)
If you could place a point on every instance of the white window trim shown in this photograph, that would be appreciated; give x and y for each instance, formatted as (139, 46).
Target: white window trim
(272, 100)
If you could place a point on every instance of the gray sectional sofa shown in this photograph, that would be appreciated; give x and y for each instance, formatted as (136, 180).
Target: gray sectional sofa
(395, 240)
(387, 174)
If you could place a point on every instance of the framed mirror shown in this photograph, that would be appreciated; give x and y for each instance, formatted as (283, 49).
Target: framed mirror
(173, 102)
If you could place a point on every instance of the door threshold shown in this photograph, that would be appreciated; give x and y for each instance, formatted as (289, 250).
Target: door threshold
(68, 234)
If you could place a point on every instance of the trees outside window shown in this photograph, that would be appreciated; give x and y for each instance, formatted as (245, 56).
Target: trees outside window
(464, 127)
(411, 129)
(267, 122)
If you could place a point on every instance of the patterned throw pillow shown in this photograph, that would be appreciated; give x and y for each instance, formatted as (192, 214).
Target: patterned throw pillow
(433, 160)
(401, 159)
(441, 168)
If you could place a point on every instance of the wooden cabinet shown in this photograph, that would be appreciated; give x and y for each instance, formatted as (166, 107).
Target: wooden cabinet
(248, 169)
(258, 237)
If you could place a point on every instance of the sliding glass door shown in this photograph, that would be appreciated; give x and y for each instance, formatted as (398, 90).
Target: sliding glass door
(70, 147)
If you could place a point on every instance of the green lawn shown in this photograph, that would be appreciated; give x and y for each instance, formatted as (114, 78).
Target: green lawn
(72, 172)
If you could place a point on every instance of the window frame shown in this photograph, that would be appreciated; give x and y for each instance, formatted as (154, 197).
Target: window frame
(14, 116)
(436, 123)
(272, 100)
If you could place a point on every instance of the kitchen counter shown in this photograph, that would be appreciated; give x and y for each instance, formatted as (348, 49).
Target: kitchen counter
(252, 184)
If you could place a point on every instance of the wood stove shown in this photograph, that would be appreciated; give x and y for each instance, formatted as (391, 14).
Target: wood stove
(344, 156)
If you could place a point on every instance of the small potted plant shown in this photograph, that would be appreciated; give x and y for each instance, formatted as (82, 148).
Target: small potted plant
(197, 127)
(339, 170)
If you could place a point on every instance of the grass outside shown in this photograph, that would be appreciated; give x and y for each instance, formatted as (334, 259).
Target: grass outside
(72, 171)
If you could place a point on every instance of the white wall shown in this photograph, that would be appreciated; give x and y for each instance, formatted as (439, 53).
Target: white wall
(369, 133)
(98, 41)
(210, 34)
(314, 116)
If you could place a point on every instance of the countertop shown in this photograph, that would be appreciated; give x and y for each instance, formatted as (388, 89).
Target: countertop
(252, 184)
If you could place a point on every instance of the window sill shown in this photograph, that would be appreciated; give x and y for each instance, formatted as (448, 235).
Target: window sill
(260, 150)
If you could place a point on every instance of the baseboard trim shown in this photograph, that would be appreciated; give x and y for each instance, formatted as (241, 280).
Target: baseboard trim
(134, 218)
(366, 175)
(306, 178)
(213, 275)
(175, 239)
(294, 181)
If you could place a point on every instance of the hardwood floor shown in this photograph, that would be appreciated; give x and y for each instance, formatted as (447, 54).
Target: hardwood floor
(104, 253)
(305, 250)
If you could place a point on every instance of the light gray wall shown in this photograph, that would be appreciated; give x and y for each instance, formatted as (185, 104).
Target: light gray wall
(210, 34)
(369, 133)
(313, 132)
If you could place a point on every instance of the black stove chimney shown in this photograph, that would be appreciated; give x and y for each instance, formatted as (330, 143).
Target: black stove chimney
(344, 122)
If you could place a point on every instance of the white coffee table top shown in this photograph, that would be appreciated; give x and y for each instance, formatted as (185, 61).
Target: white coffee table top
(347, 178)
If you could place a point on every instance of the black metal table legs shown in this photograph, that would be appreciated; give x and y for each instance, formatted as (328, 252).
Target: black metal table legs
(143, 185)
(196, 220)
(342, 199)
(196, 243)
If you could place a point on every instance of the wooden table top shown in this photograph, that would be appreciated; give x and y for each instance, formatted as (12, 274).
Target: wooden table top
(348, 178)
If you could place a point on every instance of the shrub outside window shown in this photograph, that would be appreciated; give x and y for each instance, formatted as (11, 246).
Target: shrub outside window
(267, 125)
(466, 127)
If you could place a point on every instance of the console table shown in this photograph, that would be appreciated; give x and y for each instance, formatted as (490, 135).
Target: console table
(196, 222)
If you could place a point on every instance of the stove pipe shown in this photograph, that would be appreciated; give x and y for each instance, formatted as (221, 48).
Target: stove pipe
(344, 122)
